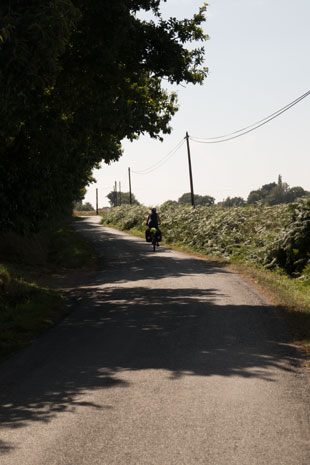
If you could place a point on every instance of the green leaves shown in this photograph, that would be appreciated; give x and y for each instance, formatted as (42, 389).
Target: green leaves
(293, 251)
(76, 78)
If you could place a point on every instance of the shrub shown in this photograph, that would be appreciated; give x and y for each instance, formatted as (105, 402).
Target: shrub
(271, 236)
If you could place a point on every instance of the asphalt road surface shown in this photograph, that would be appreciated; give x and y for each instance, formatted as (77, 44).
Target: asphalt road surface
(165, 359)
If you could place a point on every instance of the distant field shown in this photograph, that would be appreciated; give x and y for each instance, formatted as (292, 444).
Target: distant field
(88, 213)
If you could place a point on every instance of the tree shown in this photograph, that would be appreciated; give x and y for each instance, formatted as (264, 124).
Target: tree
(83, 207)
(274, 194)
(170, 203)
(260, 194)
(199, 199)
(295, 193)
(116, 199)
(77, 77)
(233, 202)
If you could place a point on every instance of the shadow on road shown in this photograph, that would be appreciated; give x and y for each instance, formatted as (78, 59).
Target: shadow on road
(123, 258)
(5, 448)
(115, 329)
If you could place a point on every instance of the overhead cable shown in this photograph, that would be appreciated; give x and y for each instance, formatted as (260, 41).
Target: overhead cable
(162, 161)
(252, 127)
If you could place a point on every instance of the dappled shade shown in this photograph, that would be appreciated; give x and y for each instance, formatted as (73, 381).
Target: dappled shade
(120, 324)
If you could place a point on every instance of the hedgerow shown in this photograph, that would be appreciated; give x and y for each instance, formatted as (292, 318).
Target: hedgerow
(270, 236)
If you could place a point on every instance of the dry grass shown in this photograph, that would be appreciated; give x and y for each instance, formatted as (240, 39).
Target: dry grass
(80, 213)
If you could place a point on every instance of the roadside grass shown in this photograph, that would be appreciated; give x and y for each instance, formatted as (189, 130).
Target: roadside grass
(69, 250)
(290, 296)
(27, 308)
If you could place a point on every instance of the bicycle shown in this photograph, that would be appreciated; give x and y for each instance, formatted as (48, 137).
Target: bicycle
(154, 240)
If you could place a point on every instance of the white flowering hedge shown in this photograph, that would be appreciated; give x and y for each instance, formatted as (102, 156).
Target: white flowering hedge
(265, 235)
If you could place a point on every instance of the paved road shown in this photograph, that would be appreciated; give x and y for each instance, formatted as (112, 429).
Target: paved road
(166, 359)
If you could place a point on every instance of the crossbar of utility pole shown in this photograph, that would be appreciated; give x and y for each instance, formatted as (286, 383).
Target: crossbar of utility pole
(190, 170)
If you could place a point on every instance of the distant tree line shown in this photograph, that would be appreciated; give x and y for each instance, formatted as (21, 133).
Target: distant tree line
(121, 198)
(233, 202)
(198, 199)
(276, 193)
(83, 207)
(271, 194)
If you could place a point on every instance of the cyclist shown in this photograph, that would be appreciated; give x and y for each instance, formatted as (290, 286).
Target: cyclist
(153, 221)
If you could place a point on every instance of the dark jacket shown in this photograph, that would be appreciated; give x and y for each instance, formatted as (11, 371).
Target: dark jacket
(153, 220)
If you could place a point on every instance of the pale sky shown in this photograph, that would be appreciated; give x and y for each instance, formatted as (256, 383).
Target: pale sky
(258, 60)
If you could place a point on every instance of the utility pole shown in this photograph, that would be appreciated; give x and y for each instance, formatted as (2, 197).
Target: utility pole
(120, 193)
(190, 170)
(96, 201)
(115, 196)
(130, 199)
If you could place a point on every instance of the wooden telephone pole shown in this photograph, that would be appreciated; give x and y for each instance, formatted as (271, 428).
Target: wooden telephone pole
(130, 198)
(115, 196)
(190, 170)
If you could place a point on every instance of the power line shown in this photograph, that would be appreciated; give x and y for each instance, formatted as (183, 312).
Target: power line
(162, 161)
(286, 107)
(252, 127)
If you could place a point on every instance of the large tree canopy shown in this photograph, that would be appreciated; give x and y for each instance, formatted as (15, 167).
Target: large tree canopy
(77, 77)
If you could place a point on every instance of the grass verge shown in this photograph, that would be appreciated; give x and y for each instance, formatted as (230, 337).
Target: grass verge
(290, 296)
(69, 250)
(28, 308)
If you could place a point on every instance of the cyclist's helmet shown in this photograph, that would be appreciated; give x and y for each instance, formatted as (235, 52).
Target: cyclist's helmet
(154, 210)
